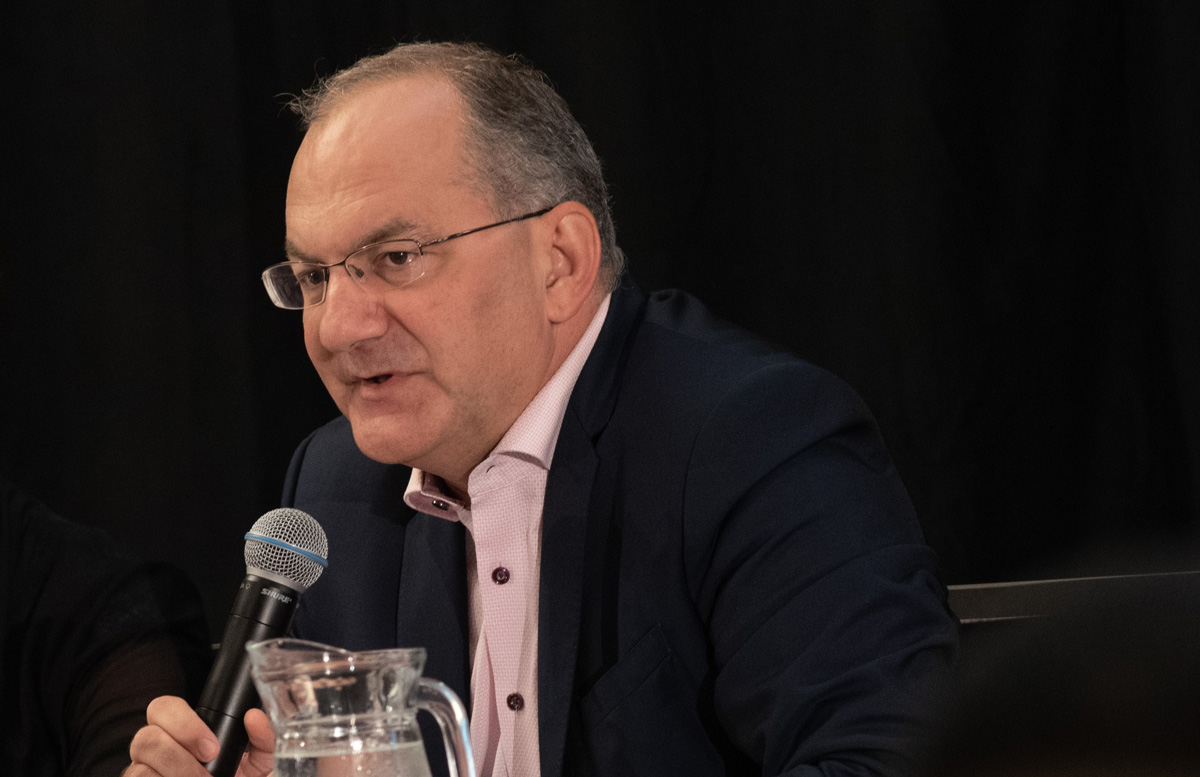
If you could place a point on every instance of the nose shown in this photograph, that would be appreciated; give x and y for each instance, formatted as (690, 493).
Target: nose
(349, 314)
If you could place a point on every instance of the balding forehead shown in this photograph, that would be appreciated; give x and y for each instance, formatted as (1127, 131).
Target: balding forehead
(390, 93)
(389, 162)
(385, 117)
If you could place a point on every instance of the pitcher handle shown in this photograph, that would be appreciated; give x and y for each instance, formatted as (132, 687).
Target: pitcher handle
(437, 698)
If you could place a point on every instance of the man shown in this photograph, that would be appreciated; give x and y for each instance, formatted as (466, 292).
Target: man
(635, 539)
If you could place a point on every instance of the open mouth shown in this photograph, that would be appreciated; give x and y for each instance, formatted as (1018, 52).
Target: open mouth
(377, 379)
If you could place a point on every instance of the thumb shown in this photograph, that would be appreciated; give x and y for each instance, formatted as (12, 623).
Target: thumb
(259, 760)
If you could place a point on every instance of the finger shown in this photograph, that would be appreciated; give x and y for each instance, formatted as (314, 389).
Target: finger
(139, 770)
(154, 752)
(251, 766)
(258, 727)
(260, 759)
(181, 724)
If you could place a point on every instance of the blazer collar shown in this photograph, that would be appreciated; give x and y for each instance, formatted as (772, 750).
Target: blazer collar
(596, 389)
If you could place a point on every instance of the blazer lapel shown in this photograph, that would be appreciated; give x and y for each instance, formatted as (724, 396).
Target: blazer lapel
(432, 611)
(564, 531)
(565, 525)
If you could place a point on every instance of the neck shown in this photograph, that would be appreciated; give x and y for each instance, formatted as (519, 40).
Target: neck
(566, 336)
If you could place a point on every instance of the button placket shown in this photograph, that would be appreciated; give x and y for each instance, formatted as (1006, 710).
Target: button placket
(506, 495)
(503, 545)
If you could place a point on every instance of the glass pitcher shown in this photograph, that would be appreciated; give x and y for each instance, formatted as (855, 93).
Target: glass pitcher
(338, 712)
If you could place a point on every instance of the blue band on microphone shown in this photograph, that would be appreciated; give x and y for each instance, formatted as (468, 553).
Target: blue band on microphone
(280, 544)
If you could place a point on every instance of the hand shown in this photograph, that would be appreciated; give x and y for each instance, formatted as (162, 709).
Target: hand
(175, 742)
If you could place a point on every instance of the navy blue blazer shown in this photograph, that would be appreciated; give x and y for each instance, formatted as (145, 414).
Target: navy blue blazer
(733, 579)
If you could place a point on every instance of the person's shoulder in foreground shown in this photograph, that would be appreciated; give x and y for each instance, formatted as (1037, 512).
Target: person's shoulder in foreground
(755, 593)
(89, 636)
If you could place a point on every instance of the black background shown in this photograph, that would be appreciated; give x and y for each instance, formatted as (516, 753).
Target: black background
(984, 216)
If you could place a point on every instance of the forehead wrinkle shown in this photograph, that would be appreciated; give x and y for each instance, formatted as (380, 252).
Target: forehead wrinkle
(396, 228)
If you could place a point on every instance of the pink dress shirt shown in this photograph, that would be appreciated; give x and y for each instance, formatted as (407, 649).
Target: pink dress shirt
(504, 543)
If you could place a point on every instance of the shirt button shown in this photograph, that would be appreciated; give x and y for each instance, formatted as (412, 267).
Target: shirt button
(500, 577)
(439, 504)
(516, 702)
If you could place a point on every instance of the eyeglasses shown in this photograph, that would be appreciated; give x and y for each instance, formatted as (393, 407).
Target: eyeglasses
(397, 263)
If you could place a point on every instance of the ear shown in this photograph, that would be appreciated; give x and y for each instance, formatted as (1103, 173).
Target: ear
(574, 260)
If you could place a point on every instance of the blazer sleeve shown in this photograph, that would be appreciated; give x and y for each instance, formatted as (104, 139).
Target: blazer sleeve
(829, 630)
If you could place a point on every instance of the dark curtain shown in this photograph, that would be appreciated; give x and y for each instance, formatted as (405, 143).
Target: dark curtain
(984, 216)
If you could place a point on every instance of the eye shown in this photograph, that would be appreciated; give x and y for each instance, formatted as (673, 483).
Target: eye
(388, 260)
(396, 262)
(309, 276)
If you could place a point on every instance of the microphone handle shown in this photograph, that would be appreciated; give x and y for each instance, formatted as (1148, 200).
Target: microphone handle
(263, 609)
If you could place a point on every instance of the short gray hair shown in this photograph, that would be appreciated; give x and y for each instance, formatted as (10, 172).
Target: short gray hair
(524, 144)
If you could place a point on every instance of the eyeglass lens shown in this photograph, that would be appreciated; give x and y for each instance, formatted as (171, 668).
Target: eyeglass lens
(297, 285)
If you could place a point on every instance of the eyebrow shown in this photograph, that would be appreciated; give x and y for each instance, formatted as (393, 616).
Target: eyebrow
(392, 229)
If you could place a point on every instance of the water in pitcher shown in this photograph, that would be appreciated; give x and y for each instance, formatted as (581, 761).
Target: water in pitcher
(351, 754)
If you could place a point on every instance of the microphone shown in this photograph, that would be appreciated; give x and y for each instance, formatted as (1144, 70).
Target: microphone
(286, 552)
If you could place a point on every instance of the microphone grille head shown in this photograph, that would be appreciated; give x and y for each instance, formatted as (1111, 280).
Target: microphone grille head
(288, 546)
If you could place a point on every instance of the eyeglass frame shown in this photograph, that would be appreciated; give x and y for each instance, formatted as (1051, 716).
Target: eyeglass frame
(421, 246)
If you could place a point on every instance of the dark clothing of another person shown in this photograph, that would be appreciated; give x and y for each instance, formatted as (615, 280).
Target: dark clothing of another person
(88, 636)
(733, 579)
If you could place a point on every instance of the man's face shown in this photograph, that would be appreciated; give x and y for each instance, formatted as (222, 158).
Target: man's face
(431, 374)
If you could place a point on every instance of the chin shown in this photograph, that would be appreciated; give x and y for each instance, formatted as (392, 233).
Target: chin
(382, 442)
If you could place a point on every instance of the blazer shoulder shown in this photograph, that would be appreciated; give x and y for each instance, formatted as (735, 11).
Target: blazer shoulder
(683, 352)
